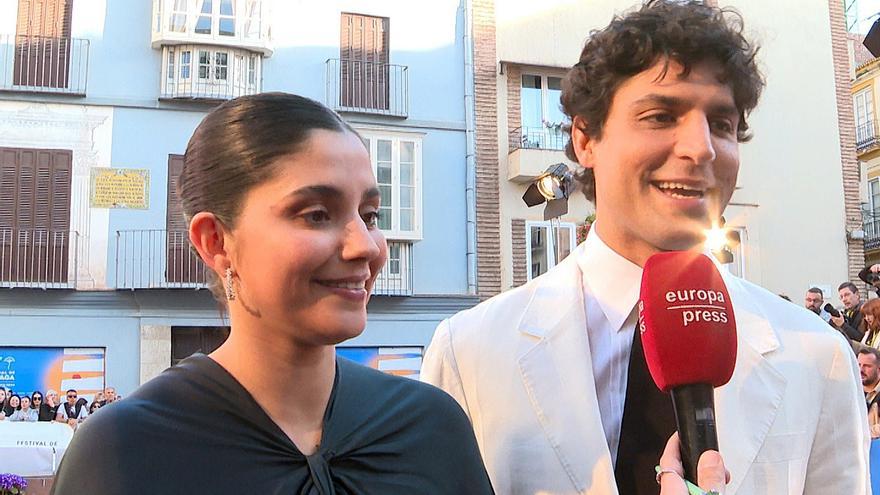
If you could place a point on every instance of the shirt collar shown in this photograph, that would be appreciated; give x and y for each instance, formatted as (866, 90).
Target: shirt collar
(611, 280)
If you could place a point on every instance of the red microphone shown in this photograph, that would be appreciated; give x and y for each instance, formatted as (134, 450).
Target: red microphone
(689, 337)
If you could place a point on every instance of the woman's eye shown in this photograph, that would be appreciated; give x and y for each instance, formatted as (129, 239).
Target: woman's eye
(372, 219)
(318, 216)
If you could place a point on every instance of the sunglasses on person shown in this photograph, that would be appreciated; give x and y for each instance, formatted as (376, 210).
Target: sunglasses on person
(37, 398)
(71, 397)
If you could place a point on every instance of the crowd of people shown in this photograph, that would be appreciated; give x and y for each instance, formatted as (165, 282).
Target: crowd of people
(859, 323)
(39, 407)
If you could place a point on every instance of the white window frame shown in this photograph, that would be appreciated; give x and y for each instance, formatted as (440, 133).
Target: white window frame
(241, 66)
(863, 106)
(873, 222)
(371, 136)
(548, 134)
(551, 242)
(247, 18)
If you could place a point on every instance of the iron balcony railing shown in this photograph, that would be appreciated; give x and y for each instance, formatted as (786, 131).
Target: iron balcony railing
(866, 136)
(542, 138)
(200, 72)
(368, 87)
(155, 259)
(38, 258)
(396, 277)
(42, 64)
(872, 235)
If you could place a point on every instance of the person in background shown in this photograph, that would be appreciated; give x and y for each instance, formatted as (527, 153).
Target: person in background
(869, 369)
(13, 404)
(37, 401)
(25, 412)
(95, 405)
(49, 407)
(813, 300)
(870, 324)
(850, 321)
(3, 402)
(73, 411)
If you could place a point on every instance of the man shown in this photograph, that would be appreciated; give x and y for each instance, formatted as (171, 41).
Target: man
(813, 301)
(869, 368)
(850, 322)
(109, 396)
(71, 412)
(658, 103)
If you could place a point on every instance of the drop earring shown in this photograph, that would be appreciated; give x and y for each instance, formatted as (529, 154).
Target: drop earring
(230, 288)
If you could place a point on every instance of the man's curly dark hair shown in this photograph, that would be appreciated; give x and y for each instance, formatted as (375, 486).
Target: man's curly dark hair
(688, 32)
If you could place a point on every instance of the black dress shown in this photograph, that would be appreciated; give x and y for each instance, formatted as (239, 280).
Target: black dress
(195, 429)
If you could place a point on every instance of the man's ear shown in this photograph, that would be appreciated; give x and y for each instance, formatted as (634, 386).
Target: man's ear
(208, 235)
(582, 142)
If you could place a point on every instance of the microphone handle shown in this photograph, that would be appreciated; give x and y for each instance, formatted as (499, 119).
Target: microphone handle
(694, 407)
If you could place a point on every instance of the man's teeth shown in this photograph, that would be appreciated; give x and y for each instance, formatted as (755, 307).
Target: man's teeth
(678, 190)
(344, 285)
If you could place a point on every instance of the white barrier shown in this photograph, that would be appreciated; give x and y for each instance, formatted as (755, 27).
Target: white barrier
(32, 449)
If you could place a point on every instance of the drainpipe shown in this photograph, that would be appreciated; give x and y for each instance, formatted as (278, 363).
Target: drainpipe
(470, 156)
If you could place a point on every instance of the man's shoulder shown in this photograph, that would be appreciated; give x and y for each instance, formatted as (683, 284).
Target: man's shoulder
(500, 312)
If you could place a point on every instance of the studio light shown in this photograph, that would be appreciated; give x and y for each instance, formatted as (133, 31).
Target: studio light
(553, 187)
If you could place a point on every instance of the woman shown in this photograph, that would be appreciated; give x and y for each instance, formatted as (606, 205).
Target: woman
(37, 401)
(282, 207)
(3, 402)
(49, 408)
(25, 412)
(871, 323)
(13, 403)
(94, 406)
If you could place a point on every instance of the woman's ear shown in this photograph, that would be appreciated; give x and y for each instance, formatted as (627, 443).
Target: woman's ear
(581, 142)
(208, 235)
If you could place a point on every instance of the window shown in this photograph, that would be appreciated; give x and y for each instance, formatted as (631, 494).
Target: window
(182, 264)
(252, 70)
(542, 246)
(186, 341)
(252, 22)
(185, 63)
(863, 102)
(396, 163)
(177, 19)
(35, 189)
(872, 223)
(43, 43)
(540, 113)
(364, 69)
(170, 69)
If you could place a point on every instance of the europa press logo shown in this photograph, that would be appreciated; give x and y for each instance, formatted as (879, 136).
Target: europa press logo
(698, 305)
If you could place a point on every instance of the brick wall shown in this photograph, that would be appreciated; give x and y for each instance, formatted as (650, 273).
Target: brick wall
(849, 163)
(518, 237)
(514, 120)
(486, 100)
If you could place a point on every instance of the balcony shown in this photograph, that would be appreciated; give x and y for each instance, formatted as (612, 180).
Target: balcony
(231, 23)
(157, 259)
(40, 64)
(366, 87)
(532, 149)
(872, 235)
(42, 259)
(209, 73)
(866, 137)
(396, 276)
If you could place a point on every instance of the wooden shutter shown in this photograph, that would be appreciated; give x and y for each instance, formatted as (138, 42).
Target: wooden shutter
(363, 53)
(43, 43)
(35, 214)
(183, 266)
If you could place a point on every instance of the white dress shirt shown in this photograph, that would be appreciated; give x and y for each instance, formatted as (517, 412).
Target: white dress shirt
(611, 291)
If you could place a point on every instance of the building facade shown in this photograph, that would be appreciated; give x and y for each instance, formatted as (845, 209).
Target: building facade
(796, 203)
(97, 102)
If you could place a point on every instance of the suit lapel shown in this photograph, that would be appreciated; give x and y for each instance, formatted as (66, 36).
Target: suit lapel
(558, 376)
(746, 407)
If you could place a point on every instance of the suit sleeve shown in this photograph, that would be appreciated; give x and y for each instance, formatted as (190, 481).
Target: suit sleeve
(839, 456)
(439, 368)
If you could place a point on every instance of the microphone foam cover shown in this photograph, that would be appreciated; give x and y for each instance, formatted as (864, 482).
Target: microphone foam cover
(686, 320)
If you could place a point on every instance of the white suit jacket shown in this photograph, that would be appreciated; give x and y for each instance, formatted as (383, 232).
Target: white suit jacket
(791, 420)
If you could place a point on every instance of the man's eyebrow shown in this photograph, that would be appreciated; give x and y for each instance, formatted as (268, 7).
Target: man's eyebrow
(676, 102)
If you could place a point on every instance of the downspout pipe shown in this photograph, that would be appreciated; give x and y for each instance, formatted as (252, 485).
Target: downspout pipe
(471, 149)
